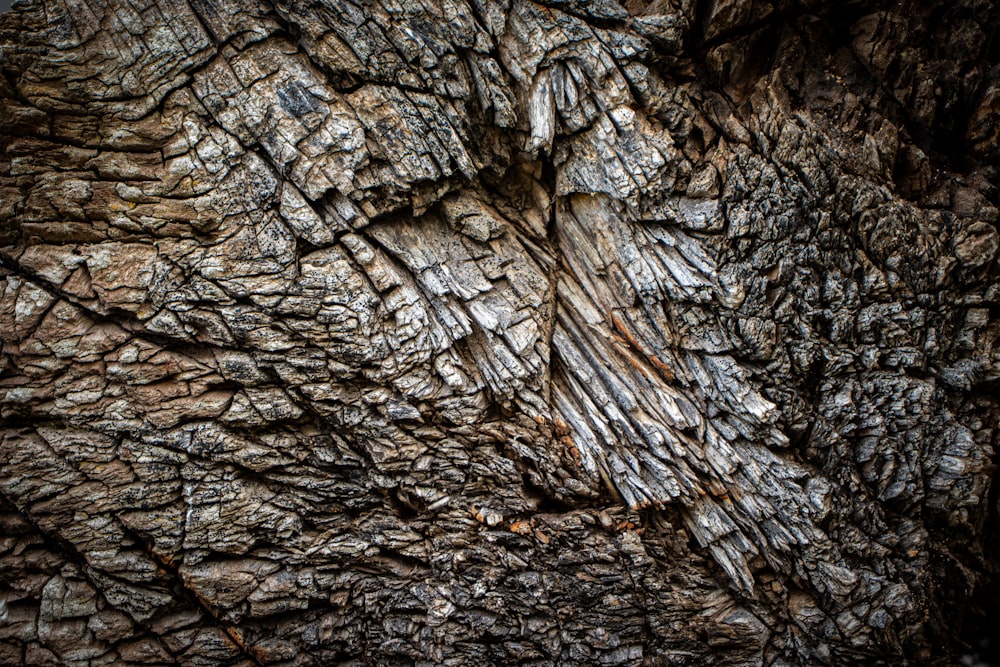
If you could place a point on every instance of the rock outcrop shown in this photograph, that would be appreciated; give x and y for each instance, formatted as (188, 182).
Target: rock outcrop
(478, 332)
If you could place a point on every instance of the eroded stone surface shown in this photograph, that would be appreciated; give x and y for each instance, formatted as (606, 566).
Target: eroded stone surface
(493, 332)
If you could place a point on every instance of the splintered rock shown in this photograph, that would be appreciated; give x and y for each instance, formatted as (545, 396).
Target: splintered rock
(497, 332)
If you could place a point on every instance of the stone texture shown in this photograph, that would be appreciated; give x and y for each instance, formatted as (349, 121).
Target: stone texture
(488, 332)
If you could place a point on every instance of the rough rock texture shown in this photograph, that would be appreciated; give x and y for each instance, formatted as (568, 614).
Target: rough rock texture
(476, 332)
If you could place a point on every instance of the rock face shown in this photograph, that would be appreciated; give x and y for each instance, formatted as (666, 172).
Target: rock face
(482, 332)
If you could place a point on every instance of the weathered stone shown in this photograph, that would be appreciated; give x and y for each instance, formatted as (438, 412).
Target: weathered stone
(493, 332)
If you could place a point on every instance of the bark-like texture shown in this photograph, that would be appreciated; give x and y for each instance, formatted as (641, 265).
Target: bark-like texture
(494, 331)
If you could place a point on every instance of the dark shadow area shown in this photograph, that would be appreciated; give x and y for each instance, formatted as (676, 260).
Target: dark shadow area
(979, 629)
(981, 634)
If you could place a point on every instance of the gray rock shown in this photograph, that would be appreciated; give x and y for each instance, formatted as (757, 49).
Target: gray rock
(497, 332)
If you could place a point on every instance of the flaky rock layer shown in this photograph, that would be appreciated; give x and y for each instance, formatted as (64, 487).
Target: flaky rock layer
(484, 332)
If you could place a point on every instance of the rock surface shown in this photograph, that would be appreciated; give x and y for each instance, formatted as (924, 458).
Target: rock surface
(482, 332)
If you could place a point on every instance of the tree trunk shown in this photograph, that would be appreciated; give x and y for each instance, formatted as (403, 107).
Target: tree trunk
(483, 332)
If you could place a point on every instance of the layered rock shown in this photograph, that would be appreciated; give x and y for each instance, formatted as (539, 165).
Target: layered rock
(491, 332)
